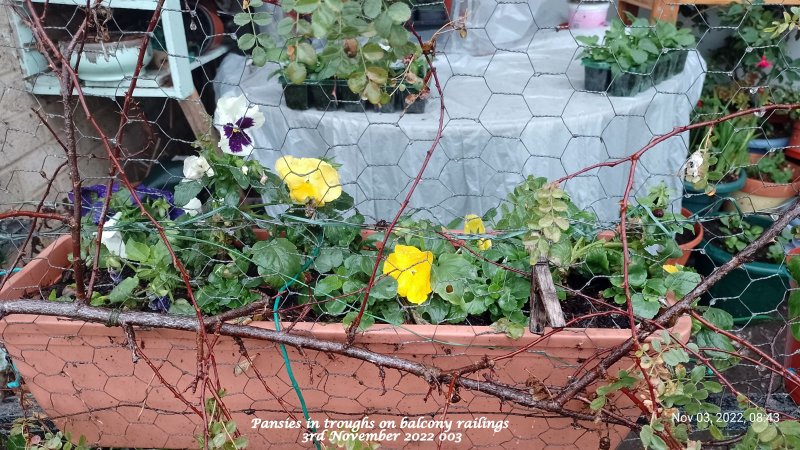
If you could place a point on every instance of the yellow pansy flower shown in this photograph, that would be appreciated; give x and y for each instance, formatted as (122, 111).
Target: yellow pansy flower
(411, 267)
(309, 179)
(670, 268)
(474, 225)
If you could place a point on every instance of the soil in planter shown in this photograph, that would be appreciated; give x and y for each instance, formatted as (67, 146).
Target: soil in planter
(715, 238)
(579, 306)
(685, 237)
(294, 310)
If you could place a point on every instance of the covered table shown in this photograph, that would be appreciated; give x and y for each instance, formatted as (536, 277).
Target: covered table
(514, 106)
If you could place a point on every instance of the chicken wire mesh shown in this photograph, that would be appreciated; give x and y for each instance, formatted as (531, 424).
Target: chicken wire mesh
(310, 155)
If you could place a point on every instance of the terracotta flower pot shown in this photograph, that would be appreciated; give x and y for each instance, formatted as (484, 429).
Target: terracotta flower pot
(687, 247)
(792, 360)
(82, 375)
(757, 195)
(793, 149)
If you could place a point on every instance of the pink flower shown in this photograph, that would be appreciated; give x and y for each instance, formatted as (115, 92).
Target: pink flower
(764, 64)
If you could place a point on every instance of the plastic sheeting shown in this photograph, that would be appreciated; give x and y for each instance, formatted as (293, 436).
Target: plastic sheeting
(513, 107)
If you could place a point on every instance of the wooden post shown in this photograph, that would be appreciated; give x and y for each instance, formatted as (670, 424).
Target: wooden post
(545, 307)
(196, 114)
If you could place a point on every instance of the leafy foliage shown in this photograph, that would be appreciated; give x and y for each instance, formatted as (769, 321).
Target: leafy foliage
(773, 168)
(635, 48)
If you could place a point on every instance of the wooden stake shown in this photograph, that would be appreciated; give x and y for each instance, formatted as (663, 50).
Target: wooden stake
(545, 307)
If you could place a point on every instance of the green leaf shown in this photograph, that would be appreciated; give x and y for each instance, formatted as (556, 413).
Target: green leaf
(649, 46)
(306, 54)
(794, 268)
(791, 427)
(449, 276)
(385, 288)
(436, 309)
(719, 318)
(246, 41)
(599, 402)
(399, 12)
(637, 275)
(327, 285)
(278, 261)
(638, 56)
(137, 251)
(372, 52)
(681, 283)
(184, 192)
(181, 307)
(357, 82)
(372, 8)
(597, 260)
(241, 19)
(513, 330)
(306, 6)
(259, 58)
(377, 75)
(285, 26)
(123, 290)
(295, 73)
(645, 306)
(262, 18)
(328, 259)
(675, 356)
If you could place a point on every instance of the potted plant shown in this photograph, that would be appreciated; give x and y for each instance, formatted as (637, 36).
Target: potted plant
(792, 360)
(111, 57)
(792, 145)
(359, 44)
(622, 65)
(675, 44)
(632, 58)
(771, 182)
(314, 272)
(716, 168)
(754, 289)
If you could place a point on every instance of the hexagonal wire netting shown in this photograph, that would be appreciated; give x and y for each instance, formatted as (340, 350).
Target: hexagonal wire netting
(341, 140)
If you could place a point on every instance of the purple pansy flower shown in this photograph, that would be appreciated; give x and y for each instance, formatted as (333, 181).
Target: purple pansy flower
(92, 199)
(159, 304)
(236, 119)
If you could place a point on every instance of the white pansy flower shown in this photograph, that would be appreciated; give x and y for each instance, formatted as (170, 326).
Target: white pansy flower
(112, 238)
(693, 168)
(193, 208)
(196, 167)
(236, 119)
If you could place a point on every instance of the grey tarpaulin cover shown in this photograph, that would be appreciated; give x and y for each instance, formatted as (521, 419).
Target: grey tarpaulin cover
(514, 107)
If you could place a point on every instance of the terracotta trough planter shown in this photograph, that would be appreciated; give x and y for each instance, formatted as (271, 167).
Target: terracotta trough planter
(82, 375)
(687, 247)
(757, 195)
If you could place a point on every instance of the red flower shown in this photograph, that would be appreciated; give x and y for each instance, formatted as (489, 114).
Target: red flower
(699, 103)
(764, 64)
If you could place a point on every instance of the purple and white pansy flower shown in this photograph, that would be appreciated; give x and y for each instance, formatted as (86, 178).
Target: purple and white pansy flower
(236, 119)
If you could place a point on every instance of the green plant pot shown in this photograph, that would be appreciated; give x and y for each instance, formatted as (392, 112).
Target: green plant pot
(323, 94)
(628, 84)
(664, 67)
(349, 100)
(296, 95)
(392, 106)
(597, 75)
(418, 107)
(701, 204)
(749, 292)
(679, 61)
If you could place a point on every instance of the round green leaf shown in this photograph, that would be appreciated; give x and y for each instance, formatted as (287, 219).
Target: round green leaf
(246, 41)
(372, 8)
(399, 12)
